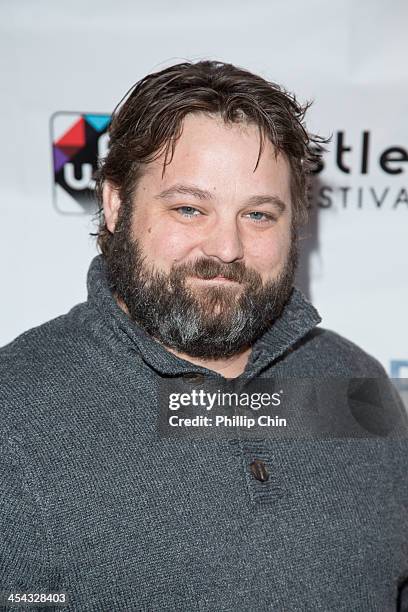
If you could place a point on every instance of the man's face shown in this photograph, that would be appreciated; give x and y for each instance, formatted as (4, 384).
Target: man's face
(206, 259)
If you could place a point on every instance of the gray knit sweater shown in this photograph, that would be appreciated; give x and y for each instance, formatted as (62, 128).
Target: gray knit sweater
(96, 504)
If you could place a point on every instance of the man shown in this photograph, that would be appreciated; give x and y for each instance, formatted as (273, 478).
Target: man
(203, 191)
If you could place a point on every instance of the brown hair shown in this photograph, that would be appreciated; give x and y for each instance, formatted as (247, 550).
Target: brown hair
(149, 122)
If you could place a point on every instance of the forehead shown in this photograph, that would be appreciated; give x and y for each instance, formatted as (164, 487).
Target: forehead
(222, 157)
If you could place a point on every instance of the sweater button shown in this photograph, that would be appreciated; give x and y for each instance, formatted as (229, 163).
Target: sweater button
(194, 377)
(259, 471)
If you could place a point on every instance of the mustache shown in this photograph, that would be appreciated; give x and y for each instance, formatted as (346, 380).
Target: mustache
(208, 269)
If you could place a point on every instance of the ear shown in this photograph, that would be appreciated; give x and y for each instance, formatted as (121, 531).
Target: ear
(111, 205)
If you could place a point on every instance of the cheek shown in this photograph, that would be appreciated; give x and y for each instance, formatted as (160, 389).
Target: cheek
(166, 244)
(269, 253)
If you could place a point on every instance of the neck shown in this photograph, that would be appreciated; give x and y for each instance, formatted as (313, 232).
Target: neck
(230, 367)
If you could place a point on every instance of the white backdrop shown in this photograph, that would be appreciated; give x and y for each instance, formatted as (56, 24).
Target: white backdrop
(350, 57)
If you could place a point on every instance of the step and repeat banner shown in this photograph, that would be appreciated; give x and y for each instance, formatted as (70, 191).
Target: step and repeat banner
(65, 67)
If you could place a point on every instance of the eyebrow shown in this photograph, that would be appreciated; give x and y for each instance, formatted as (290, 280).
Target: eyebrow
(202, 194)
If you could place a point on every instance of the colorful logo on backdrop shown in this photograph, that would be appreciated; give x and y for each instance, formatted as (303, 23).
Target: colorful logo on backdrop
(78, 141)
(399, 368)
(399, 375)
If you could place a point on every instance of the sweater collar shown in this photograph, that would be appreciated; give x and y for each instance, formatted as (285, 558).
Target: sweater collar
(297, 319)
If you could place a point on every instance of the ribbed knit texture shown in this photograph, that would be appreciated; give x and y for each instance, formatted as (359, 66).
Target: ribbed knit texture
(94, 503)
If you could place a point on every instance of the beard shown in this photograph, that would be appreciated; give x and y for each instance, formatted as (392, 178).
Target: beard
(203, 320)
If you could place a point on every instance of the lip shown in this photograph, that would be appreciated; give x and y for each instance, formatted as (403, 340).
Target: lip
(218, 279)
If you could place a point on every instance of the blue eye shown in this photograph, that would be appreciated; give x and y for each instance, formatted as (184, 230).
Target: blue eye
(262, 217)
(187, 211)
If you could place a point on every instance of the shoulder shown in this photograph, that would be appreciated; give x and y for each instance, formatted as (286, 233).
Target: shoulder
(41, 345)
(43, 359)
(334, 355)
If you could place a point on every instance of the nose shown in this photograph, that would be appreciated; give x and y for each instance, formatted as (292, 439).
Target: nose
(223, 241)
